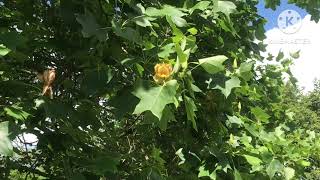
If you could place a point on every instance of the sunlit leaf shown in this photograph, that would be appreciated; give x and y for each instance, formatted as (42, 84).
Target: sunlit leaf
(274, 166)
(213, 64)
(5, 143)
(154, 98)
(229, 85)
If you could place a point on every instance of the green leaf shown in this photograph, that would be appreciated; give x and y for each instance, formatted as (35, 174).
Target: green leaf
(206, 173)
(226, 7)
(126, 32)
(140, 8)
(229, 85)
(213, 64)
(142, 21)
(203, 172)
(154, 99)
(166, 10)
(202, 5)
(272, 4)
(90, 27)
(274, 166)
(5, 143)
(124, 102)
(174, 13)
(252, 160)
(166, 50)
(183, 56)
(245, 70)
(96, 80)
(78, 176)
(4, 50)
(167, 116)
(288, 173)
(12, 40)
(193, 31)
(180, 154)
(103, 163)
(191, 108)
(295, 55)
(279, 56)
(235, 120)
(237, 175)
(16, 112)
(179, 21)
(260, 114)
(304, 163)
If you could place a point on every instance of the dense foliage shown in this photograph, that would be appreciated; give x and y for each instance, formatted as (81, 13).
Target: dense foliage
(150, 90)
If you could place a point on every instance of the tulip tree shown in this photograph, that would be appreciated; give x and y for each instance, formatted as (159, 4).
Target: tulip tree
(146, 90)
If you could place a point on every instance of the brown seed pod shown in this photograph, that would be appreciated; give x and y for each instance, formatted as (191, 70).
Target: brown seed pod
(47, 77)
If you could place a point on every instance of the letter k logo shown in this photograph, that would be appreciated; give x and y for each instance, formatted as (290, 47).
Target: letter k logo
(289, 21)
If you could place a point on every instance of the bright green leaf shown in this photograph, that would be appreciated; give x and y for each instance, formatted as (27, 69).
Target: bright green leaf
(237, 175)
(5, 143)
(288, 173)
(229, 85)
(180, 154)
(254, 161)
(295, 55)
(16, 112)
(245, 70)
(213, 64)
(3, 50)
(154, 99)
(193, 31)
(260, 114)
(274, 166)
(235, 120)
(142, 21)
(202, 5)
(226, 7)
(166, 50)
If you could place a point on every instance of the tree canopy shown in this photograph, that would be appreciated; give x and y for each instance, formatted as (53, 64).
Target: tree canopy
(151, 90)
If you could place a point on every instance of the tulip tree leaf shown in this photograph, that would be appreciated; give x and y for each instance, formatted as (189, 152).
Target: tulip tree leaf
(16, 112)
(3, 50)
(5, 143)
(245, 70)
(289, 173)
(90, 27)
(226, 7)
(191, 108)
(213, 64)
(202, 5)
(229, 85)
(274, 166)
(260, 114)
(154, 99)
(167, 116)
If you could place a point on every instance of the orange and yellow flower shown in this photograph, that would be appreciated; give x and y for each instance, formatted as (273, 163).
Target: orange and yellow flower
(162, 72)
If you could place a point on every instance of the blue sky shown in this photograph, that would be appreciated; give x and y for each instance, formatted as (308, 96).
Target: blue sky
(272, 16)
